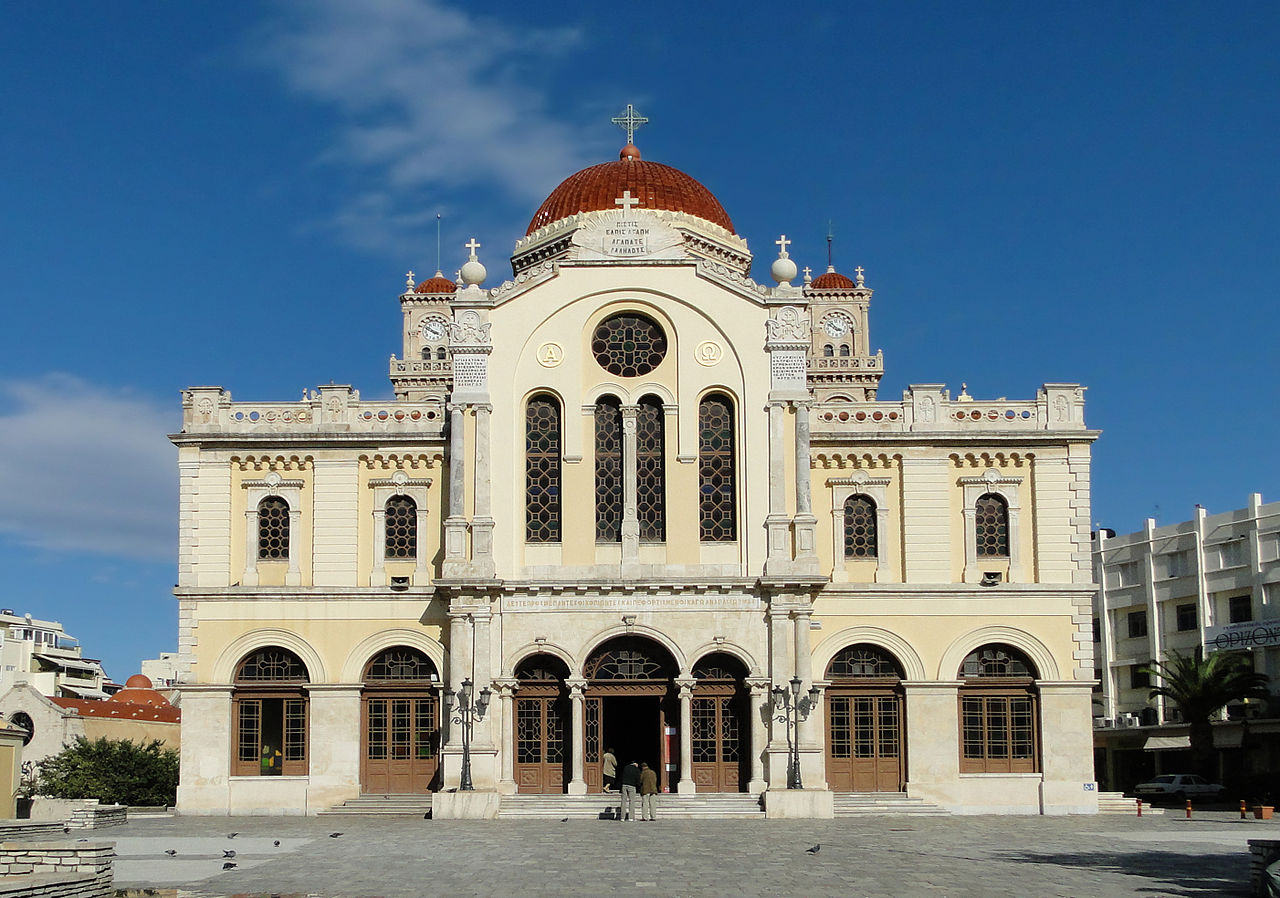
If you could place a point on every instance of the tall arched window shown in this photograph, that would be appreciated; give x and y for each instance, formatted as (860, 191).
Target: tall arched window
(998, 712)
(608, 418)
(991, 526)
(717, 513)
(844, 350)
(651, 485)
(860, 528)
(273, 529)
(402, 527)
(828, 351)
(542, 470)
(270, 705)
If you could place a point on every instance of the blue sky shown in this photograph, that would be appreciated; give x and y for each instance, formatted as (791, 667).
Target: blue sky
(231, 192)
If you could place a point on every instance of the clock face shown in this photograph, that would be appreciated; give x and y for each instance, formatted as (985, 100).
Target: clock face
(433, 329)
(837, 326)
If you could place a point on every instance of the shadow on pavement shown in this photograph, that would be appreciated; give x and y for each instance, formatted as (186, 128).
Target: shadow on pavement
(1171, 873)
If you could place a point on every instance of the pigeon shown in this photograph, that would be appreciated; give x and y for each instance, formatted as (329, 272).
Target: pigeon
(66, 829)
(334, 835)
(276, 843)
(229, 853)
(564, 819)
(232, 835)
(228, 866)
(814, 850)
(170, 851)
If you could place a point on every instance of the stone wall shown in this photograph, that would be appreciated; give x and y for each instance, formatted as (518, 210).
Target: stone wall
(61, 869)
(79, 813)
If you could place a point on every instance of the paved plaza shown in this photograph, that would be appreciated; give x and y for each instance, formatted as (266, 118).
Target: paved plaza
(874, 857)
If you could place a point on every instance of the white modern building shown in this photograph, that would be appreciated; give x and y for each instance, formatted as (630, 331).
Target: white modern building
(42, 654)
(1209, 583)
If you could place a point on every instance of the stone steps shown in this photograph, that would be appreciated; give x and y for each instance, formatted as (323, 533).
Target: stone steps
(892, 804)
(1117, 803)
(605, 807)
(382, 805)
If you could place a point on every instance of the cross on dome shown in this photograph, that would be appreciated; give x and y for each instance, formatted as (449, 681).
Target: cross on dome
(784, 243)
(408, 278)
(629, 121)
(858, 271)
(626, 201)
(473, 246)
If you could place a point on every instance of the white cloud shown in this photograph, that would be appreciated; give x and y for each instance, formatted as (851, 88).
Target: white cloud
(432, 99)
(86, 469)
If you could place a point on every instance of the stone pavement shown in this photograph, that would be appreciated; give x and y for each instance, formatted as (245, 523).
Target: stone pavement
(885, 857)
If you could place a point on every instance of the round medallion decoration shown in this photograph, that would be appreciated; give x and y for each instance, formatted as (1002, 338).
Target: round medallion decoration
(629, 345)
(550, 355)
(708, 353)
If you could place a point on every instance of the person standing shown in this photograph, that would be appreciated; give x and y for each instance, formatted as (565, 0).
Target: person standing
(610, 770)
(648, 792)
(630, 781)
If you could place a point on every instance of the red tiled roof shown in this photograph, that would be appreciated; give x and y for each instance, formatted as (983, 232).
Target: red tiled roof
(437, 284)
(86, 707)
(657, 186)
(831, 280)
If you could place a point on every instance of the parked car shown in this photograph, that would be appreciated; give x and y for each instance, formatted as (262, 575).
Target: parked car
(1179, 786)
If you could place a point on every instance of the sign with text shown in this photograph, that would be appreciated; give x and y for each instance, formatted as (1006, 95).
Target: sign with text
(1244, 635)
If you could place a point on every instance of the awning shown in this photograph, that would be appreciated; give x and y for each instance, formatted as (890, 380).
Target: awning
(1228, 737)
(72, 663)
(1167, 743)
(83, 691)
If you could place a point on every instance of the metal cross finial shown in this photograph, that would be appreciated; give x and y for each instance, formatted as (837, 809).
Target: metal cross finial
(626, 201)
(784, 243)
(629, 121)
(473, 246)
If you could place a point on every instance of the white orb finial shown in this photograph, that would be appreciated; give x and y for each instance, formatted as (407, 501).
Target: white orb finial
(783, 269)
(473, 273)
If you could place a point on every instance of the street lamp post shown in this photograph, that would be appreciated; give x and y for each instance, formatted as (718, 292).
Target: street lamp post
(792, 708)
(466, 708)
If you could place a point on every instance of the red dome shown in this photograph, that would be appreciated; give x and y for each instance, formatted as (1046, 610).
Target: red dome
(437, 284)
(138, 681)
(657, 186)
(831, 280)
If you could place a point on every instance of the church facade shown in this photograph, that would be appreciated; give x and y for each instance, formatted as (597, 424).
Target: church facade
(630, 498)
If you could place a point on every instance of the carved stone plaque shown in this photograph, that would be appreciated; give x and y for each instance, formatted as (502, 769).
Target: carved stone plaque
(634, 235)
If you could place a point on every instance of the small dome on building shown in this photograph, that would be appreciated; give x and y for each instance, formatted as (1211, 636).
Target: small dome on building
(656, 186)
(138, 681)
(437, 284)
(138, 690)
(831, 280)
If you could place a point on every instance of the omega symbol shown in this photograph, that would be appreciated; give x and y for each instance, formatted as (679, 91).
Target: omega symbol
(708, 353)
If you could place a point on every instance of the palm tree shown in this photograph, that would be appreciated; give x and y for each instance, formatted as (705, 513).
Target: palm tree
(1200, 687)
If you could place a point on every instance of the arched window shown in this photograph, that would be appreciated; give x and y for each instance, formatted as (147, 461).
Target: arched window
(542, 470)
(426, 353)
(717, 517)
(860, 528)
(828, 351)
(998, 712)
(651, 486)
(270, 709)
(844, 350)
(441, 354)
(402, 527)
(608, 418)
(273, 529)
(863, 662)
(991, 525)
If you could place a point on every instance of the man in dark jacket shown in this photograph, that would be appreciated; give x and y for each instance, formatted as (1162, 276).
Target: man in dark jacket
(648, 792)
(629, 781)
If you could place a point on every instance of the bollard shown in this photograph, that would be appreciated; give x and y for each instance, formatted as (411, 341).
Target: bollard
(1139, 807)
(1188, 808)
(1242, 814)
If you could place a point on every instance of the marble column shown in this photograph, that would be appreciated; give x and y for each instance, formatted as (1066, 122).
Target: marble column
(482, 521)
(806, 524)
(378, 575)
(578, 784)
(776, 523)
(758, 711)
(455, 524)
(482, 734)
(293, 576)
(686, 785)
(630, 514)
(250, 576)
(459, 665)
(506, 689)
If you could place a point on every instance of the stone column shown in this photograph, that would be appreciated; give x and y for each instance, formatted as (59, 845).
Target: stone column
(578, 784)
(420, 560)
(780, 667)
(482, 734)
(333, 762)
(932, 733)
(293, 576)
(760, 706)
(459, 665)
(250, 576)
(506, 689)
(482, 521)
(807, 730)
(686, 785)
(378, 576)
(455, 525)
(776, 523)
(806, 524)
(630, 515)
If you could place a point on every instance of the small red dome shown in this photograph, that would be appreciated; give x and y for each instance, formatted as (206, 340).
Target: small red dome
(437, 284)
(657, 186)
(831, 280)
(138, 681)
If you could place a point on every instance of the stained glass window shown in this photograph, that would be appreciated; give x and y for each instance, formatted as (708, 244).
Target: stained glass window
(401, 664)
(401, 522)
(651, 488)
(542, 470)
(863, 660)
(629, 345)
(273, 528)
(716, 481)
(991, 524)
(608, 418)
(860, 527)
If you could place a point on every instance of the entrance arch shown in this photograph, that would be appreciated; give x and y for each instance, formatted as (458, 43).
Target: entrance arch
(630, 706)
(720, 734)
(542, 717)
(865, 721)
(400, 723)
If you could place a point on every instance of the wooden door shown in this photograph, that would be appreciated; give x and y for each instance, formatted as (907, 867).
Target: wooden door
(401, 743)
(864, 741)
(541, 748)
(717, 739)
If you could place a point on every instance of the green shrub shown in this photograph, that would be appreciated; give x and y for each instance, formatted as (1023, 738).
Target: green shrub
(114, 771)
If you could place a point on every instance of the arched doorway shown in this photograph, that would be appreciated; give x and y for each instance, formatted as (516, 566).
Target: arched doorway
(632, 708)
(400, 723)
(999, 711)
(542, 759)
(720, 729)
(864, 721)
